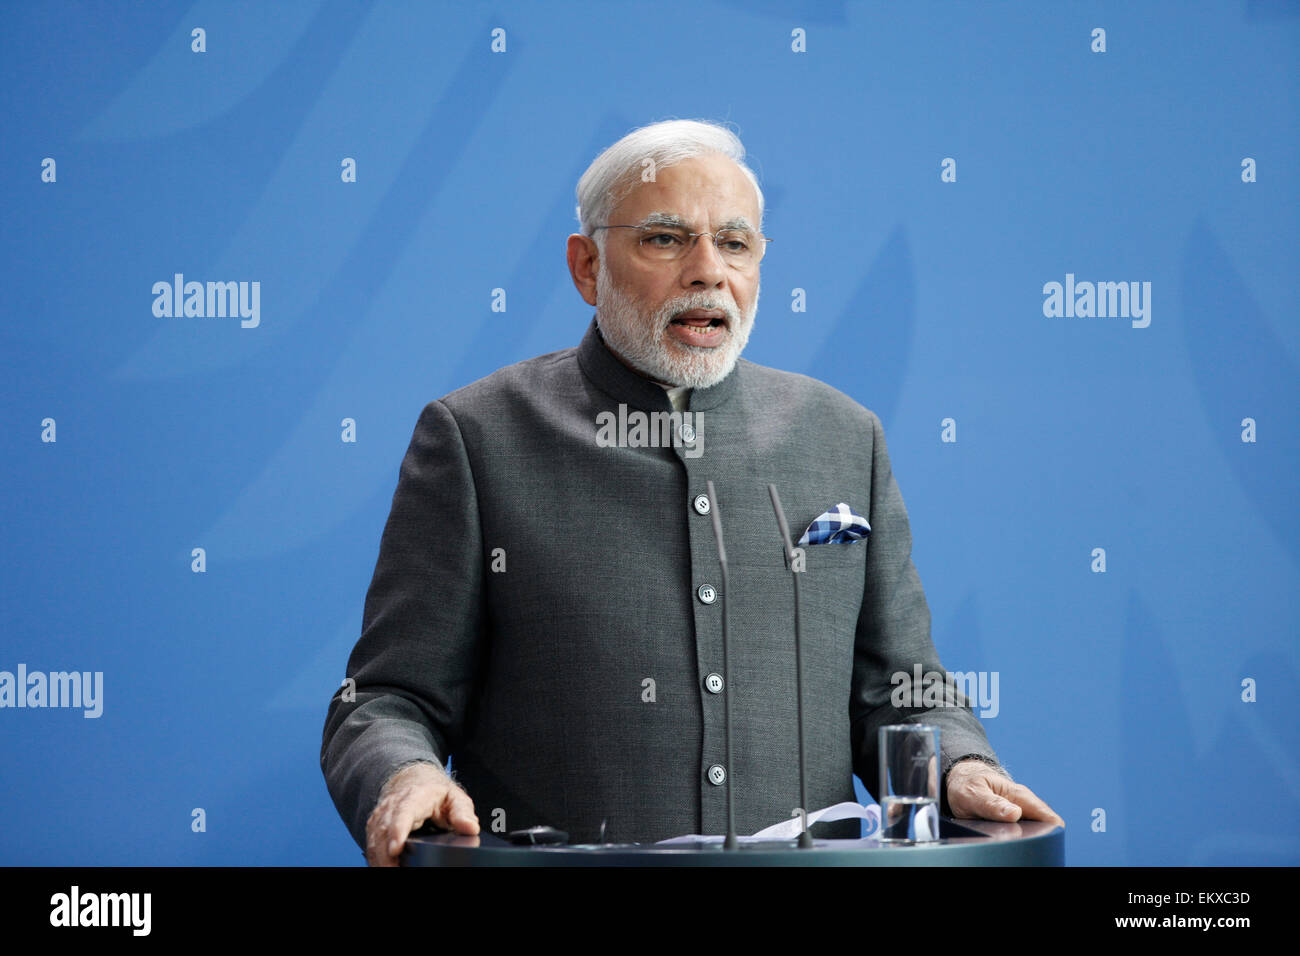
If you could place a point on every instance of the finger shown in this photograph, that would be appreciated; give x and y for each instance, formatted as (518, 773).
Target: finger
(407, 816)
(376, 832)
(460, 812)
(975, 798)
(455, 812)
(1034, 807)
(986, 804)
(377, 844)
(1000, 808)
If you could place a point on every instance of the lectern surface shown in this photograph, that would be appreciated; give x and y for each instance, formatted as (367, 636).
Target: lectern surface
(983, 843)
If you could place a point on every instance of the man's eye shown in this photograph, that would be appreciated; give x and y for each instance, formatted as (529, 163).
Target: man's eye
(734, 243)
(662, 239)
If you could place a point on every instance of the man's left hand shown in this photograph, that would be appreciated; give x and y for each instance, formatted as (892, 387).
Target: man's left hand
(977, 790)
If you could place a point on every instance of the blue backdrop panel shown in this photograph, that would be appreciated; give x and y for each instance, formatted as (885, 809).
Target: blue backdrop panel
(929, 168)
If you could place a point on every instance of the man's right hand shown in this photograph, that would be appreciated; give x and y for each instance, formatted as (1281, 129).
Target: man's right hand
(417, 793)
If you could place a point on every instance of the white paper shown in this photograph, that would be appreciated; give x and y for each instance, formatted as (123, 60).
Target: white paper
(789, 829)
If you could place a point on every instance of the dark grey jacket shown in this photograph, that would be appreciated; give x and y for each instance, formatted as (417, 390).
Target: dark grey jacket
(570, 687)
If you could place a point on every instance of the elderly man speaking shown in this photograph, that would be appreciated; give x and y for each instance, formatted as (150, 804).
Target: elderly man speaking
(546, 607)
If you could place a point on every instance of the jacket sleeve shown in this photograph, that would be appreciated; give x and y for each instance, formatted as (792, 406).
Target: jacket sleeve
(893, 635)
(412, 671)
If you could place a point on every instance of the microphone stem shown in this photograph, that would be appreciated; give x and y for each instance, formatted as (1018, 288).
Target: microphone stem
(731, 842)
(805, 838)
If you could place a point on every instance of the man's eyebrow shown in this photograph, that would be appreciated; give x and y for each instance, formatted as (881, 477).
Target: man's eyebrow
(672, 219)
(663, 219)
(739, 222)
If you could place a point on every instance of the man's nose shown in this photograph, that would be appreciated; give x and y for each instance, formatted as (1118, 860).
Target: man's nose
(703, 263)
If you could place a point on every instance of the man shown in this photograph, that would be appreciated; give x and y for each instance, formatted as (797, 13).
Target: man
(545, 604)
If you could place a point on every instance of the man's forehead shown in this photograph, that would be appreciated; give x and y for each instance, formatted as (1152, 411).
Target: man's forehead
(701, 186)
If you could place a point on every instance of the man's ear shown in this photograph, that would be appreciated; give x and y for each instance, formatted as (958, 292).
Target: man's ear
(584, 263)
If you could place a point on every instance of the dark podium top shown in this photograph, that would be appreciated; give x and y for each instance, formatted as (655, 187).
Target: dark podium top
(968, 843)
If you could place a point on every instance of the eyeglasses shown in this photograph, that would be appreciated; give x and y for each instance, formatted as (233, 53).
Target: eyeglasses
(739, 248)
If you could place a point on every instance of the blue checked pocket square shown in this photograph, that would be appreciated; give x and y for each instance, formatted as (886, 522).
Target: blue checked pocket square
(840, 525)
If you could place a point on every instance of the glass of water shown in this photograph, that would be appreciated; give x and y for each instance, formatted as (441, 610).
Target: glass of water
(909, 783)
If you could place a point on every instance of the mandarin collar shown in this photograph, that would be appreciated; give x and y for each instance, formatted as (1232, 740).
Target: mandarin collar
(618, 381)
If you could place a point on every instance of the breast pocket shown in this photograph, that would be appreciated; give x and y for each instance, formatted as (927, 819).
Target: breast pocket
(830, 599)
(831, 585)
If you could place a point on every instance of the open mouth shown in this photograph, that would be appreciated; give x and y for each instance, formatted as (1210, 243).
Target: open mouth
(699, 329)
(701, 321)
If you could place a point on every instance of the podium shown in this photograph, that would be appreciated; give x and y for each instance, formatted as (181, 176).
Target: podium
(968, 843)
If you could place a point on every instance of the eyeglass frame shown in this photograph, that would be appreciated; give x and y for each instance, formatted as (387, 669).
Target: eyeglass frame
(694, 237)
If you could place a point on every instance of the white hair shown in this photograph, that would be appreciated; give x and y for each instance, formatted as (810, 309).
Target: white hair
(616, 171)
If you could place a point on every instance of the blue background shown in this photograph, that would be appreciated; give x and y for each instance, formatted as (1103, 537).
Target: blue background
(1120, 691)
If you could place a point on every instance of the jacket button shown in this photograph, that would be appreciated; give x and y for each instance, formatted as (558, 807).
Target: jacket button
(687, 431)
(713, 683)
(707, 593)
(717, 775)
(702, 504)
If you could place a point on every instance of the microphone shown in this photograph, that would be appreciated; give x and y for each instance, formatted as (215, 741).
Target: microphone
(731, 843)
(805, 838)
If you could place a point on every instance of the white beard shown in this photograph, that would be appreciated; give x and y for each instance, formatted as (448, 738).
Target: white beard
(645, 343)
